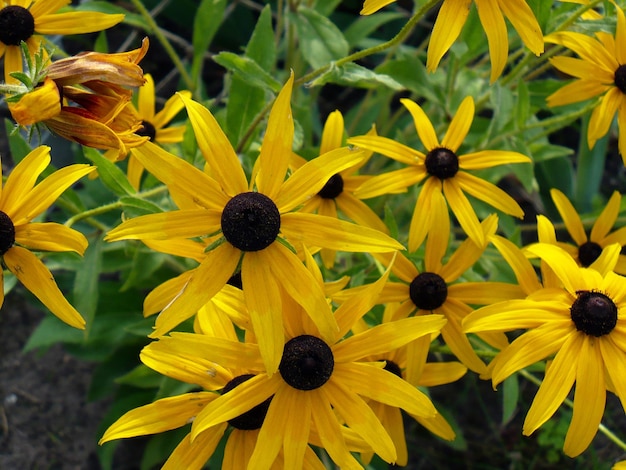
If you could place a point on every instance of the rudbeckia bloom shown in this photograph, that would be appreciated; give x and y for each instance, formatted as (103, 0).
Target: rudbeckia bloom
(252, 223)
(435, 290)
(317, 381)
(601, 71)
(21, 200)
(452, 17)
(338, 192)
(587, 249)
(27, 20)
(443, 170)
(582, 325)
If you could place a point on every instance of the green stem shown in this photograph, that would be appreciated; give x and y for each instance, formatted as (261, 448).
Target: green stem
(165, 43)
(397, 39)
(602, 428)
(89, 214)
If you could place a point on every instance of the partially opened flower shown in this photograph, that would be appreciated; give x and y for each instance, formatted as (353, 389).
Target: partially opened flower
(453, 15)
(443, 170)
(601, 72)
(27, 20)
(251, 223)
(581, 325)
(587, 249)
(21, 200)
(435, 289)
(337, 195)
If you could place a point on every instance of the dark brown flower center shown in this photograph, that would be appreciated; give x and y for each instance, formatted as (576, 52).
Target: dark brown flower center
(7, 233)
(253, 418)
(250, 221)
(332, 188)
(307, 362)
(594, 313)
(16, 25)
(393, 368)
(588, 252)
(428, 291)
(442, 163)
(147, 130)
(620, 78)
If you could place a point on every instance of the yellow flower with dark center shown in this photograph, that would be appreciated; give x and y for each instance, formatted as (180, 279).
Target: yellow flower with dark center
(600, 71)
(27, 20)
(443, 170)
(435, 290)
(251, 221)
(587, 249)
(582, 325)
(21, 200)
(453, 15)
(338, 192)
(317, 381)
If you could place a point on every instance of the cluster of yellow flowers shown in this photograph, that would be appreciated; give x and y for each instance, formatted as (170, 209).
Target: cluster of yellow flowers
(284, 357)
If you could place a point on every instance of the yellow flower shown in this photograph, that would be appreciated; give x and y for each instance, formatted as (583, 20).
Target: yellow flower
(453, 15)
(443, 170)
(587, 249)
(251, 222)
(21, 200)
(338, 192)
(583, 324)
(41, 104)
(27, 20)
(154, 125)
(601, 71)
(435, 290)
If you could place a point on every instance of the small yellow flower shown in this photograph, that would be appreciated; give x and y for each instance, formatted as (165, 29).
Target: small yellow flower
(27, 20)
(21, 200)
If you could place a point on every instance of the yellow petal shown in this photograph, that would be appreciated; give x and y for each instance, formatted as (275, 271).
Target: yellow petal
(327, 232)
(12, 63)
(579, 90)
(523, 20)
(580, 68)
(514, 314)
(561, 263)
(170, 109)
(145, 101)
(602, 116)
(620, 36)
(372, 6)
(75, 22)
(589, 399)
(194, 455)
(495, 28)
(490, 158)
(389, 148)
(262, 298)
(484, 293)
(460, 125)
(391, 183)
(360, 212)
(606, 219)
(524, 271)
(421, 220)
(332, 134)
(161, 295)
(42, 103)
(50, 236)
(423, 126)
(489, 193)
(276, 148)
(162, 415)
(437, 243)
(556, 384)
(448, 25)
(40, 8)
(463, 211)
(36, 277)
(615, 361)
(216, 149)
(456, 339)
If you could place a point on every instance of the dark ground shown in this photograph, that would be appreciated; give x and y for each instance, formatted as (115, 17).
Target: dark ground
(45, 421)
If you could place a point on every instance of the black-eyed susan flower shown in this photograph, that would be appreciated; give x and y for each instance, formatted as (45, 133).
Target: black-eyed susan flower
(600, 71)
(28, 20)
(338, 192)
(251, 223)
(587, 249)
(453, 15)
(321, 385)
(434, 290)
(581, 325)
(21, 200)
(443, 170)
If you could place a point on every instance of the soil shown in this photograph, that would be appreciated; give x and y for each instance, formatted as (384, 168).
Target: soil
(45, 420)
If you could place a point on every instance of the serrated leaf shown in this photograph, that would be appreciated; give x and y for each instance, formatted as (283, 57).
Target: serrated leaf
(248, 70)
(321, 42)
(112, 177)
(356, 76)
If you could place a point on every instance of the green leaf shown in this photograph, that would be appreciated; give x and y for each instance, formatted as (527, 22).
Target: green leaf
(134, 207)
(510, 397)
(261, 47)
(206, 23)
(321, 42)
(50, 331)
(141, 377)
(17, 144)
(112, 177)
(365, 25)
(590, 168)
(522, 106)
(248, 70)
(411, 72)
(86, 284)
(356, 76)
